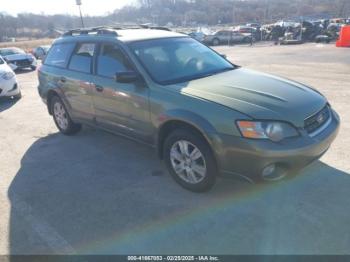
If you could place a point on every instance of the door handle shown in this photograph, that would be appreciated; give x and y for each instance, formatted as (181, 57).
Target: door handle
(99, 88)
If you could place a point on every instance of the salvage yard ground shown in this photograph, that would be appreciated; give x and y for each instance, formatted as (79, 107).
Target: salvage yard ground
(96, 193)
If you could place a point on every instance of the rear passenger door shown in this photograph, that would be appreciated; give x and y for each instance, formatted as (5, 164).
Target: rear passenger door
(77, 81)
(236, 37)
(120, 107)
(225, 37)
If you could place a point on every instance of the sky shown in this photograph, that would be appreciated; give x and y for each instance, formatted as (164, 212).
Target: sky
(89, 7)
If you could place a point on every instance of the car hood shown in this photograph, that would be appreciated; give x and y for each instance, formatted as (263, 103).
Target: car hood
(17, 57)
(258, 95)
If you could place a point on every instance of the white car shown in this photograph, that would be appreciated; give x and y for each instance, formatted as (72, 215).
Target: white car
(8, 81)
(18, 59)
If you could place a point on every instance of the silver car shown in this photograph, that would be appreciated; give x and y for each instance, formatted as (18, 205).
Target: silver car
(227, 37)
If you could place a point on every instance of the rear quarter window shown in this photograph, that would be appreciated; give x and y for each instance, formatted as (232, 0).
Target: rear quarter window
(81, 60)
(59, 55)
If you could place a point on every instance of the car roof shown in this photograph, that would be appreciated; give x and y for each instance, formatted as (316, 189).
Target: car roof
(124, 35)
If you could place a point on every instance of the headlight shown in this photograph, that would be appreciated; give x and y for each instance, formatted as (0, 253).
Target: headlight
(8, 75)
(273, 130)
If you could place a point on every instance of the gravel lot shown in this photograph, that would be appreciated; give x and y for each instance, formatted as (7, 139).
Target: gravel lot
(96, 193)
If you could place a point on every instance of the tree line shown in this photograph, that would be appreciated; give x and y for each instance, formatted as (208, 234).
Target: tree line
(179, 13)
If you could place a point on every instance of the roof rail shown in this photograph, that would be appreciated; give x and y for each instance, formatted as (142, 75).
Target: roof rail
(138, 26)
(146, 26)
(102, 30)
(109, 30)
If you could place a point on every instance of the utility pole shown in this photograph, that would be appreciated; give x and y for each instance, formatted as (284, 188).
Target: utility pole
(81, 16)
(233, 14)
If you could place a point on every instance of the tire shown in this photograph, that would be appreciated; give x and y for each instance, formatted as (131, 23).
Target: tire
(61, 117)
(33, 68)
(197, 174)
(216, 42)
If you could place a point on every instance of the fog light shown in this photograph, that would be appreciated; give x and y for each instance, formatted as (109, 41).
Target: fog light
(274, 172)
(268, 171)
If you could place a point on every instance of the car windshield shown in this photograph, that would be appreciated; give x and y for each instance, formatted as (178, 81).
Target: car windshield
(176, 60)
(11, 51)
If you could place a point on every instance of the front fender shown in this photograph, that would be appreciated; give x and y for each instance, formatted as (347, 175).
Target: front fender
(188, 117)
(203, 126)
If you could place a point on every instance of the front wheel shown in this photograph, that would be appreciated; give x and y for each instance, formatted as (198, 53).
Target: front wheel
(62, 120)
(190, 161)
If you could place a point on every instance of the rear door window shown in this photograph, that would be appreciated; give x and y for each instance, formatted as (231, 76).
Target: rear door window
(59, 55)
(81, 60)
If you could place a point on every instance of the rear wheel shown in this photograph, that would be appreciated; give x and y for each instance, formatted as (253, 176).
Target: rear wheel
(62, 120)
(190, 161)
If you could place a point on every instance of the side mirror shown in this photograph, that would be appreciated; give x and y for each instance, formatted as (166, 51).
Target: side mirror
(127, 77)
(223, 56)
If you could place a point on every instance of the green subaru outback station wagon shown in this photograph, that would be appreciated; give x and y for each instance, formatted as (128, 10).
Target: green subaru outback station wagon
(204, 115)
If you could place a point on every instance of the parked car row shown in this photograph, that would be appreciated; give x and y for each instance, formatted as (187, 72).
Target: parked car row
(17, 59)
(284, 32)
(13, 59)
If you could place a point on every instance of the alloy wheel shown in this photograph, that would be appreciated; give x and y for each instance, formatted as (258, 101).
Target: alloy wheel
(188, 162)
(60, 115)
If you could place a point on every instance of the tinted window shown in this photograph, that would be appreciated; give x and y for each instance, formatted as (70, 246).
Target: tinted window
(175, 60)
(59, 55)
(82, 58)
(111, 60)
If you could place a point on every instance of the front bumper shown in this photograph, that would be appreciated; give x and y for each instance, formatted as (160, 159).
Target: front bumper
(9, 87)
(248, 158)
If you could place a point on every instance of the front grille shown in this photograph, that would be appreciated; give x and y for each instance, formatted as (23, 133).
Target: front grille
(314, 122)
(23, 62)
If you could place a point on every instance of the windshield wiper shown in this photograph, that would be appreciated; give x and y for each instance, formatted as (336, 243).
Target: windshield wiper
(218, 71)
